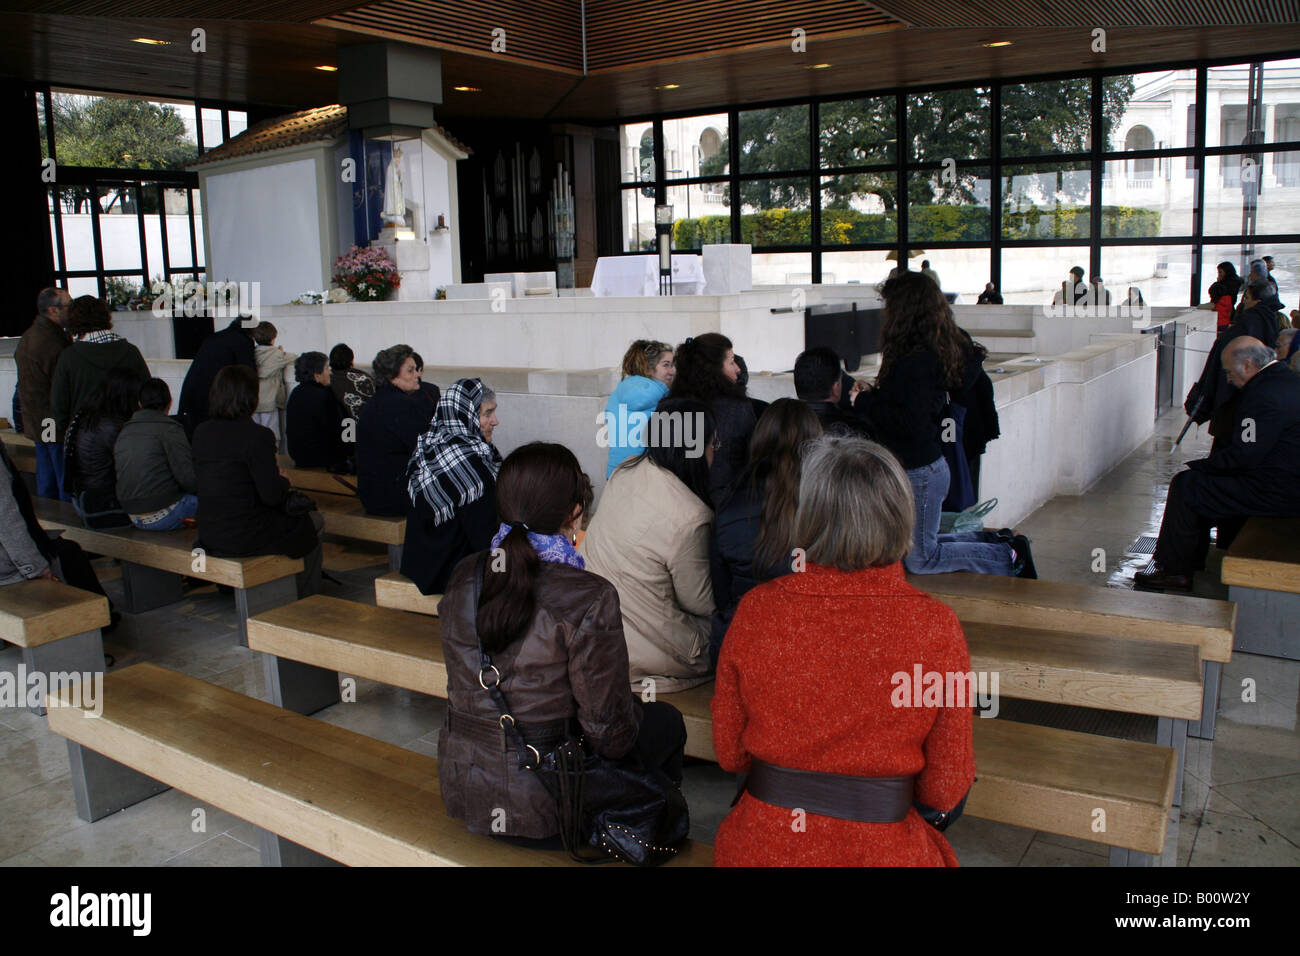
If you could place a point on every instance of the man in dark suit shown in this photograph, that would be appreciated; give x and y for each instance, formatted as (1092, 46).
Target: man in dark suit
(819, 383)
(1254, 472)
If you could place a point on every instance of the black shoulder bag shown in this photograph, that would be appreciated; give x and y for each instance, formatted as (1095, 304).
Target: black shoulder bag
(631, 812)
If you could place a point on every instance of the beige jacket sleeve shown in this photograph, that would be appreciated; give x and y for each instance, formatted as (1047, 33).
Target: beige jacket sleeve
(688, 567)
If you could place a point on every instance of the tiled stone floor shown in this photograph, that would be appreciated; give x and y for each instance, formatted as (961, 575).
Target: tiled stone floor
(1241, 801)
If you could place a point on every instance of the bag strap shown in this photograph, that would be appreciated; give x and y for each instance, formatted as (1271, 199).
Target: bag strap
(529, 756)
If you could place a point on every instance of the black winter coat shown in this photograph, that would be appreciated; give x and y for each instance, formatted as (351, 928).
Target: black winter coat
(313, 425)
(976, 396)
(89, 469)
(390, 425)
(430, 553)
(231, 346)
(906, 409)
(241, 493)
(1213, 386)
(735, 420)
(731, 554)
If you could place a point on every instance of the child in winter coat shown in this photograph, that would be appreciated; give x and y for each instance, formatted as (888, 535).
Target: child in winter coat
(272, 393)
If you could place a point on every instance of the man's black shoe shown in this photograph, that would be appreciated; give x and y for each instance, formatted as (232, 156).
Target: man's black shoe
(1024, 566)
(1158, 579)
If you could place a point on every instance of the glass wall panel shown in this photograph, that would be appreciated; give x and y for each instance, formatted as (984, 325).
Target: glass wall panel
(948, 124)
(774, 140)
(1155, 275)
(1046, 202)
(960, 271)
(638, 221)
(1286, 266)
(212, 134)
(117, 132)
(119, 231)
(1139, 201)
(775, 212)
(868, 268)
(83, 286)
(1260, 178)
(701, 214)
(1150, 111)
(40, 124)
(695, 146)
(950, 205)
(78, 230)
(1050, 117)
(1034, 276)
(1227, 122)
(782, 268)
(859, 208)
(858, 132)
(238, 121)
(636, 149)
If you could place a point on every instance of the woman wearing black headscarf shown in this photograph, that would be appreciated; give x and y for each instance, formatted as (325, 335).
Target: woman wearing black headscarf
(451, 481)
(1223, 292)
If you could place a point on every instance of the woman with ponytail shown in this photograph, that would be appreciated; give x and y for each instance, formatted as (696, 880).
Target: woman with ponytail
(555, 636)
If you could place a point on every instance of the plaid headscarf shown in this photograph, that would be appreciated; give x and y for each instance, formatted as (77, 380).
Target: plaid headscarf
(452, 464)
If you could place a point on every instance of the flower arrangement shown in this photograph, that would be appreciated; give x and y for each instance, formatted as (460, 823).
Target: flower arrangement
(368, 275)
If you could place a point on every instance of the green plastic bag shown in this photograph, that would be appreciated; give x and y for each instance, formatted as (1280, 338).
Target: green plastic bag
(972, 519)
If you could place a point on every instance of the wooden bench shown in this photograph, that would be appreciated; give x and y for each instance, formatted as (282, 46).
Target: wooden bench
(21, 451)
(317, 479)
(1262, 572)
(396, 591)
(316, 790)
(345, 517)
(57, 626)
(154, 563)
(1083, 609)
(1030, 776)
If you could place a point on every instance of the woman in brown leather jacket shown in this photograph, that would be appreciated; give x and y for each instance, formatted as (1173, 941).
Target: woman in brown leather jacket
(555, 635)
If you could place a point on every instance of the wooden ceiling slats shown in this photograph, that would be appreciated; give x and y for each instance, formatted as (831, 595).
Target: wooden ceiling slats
(1090, 13)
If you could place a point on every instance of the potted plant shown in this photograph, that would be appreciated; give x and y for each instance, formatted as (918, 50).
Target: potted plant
(368, 275)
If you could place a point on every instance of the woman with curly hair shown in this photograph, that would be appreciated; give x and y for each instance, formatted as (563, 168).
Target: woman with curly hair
(923, 357)
(708, 372)
(648, 370)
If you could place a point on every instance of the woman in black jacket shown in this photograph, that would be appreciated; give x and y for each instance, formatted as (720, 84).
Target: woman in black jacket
(923, 357)
(90, 474)
(241, 490)
(754, 532)
(707, 371)
(313, 418)
(451, 483)
(390, 425)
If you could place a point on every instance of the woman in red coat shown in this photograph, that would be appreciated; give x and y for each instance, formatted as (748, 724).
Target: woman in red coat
(810, 671)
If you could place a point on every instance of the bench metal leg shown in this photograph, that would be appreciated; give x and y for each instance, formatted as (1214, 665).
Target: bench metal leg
(81, 654)
(395, 557)
(1173, 733)
(102, 786)
(255, 600)
(147, 588)
(1266, 622)
(1204, 728)
(277, 851)
(302, 688)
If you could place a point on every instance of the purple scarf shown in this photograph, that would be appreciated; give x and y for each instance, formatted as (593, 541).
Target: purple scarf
(549, 547)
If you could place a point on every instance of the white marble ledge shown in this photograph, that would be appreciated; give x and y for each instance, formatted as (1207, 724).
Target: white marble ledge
(581, 383)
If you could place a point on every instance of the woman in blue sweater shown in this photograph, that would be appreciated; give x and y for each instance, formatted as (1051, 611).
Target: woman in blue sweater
(648, 370)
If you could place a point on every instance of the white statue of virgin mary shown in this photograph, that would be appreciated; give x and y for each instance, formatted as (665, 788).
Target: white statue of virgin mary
(394, 210)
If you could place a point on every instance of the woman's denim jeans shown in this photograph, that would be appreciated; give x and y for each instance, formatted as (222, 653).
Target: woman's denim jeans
(934, 553)
(187, 507)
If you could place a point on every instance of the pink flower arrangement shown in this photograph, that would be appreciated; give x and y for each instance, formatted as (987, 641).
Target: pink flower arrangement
(368, 275)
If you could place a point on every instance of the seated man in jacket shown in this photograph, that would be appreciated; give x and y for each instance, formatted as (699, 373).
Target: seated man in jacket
(819, 383)
(1254, 471)
(155, 468)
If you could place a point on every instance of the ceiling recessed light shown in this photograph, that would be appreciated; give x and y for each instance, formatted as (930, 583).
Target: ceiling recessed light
(999, 43)
(669, 86)
(820, 66)
(151, 41)
(467, 89)
(327, 69)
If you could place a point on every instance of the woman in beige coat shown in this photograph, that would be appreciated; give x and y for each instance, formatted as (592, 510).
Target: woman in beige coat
(650, 539)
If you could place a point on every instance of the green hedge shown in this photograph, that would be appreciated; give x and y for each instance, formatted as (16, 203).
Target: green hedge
(934, 223)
